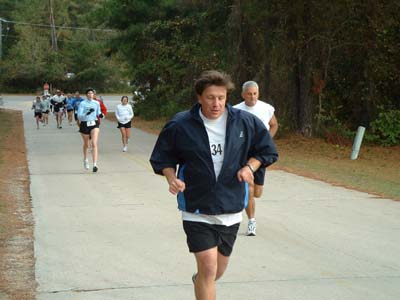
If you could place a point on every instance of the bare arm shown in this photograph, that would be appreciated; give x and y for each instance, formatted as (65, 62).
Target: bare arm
(273, 126)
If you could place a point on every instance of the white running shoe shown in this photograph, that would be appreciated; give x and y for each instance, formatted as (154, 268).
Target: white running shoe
(125, 148)
(251, 228)
(86, 164)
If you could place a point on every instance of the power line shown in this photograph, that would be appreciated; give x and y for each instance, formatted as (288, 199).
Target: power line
(98, 40)
(60, 27)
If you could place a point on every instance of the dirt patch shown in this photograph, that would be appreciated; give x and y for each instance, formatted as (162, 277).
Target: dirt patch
(17, 264)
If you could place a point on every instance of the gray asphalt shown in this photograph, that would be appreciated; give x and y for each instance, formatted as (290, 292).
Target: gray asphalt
(117, 234)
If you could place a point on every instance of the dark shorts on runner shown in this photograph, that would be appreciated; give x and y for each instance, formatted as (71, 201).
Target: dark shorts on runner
(46, 112)
(83, 128)
(38, 114)
(68, 110)
(127, 125)
(202, 236)
(259, 176)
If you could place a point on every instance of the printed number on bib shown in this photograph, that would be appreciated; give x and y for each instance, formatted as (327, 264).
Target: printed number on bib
(91, 123)
(216, 149)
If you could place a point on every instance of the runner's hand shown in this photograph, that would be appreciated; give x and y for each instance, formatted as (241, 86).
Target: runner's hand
(245, 174)
(176, 185)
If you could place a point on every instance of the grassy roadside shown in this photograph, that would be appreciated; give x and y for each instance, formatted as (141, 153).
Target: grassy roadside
(376, 171)
(17, 263)
(5, 126)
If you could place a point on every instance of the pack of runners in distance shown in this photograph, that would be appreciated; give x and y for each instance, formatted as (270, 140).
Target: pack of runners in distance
(87, 113)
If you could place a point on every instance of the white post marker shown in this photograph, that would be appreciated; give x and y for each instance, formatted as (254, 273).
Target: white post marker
(357, 142)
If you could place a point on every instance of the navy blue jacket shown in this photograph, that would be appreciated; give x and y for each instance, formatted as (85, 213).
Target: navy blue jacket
(184, 141)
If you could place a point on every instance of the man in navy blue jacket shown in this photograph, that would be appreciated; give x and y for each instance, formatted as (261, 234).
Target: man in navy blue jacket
(217, 149)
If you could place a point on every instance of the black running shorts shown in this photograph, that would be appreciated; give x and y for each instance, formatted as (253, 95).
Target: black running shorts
(127, 125)
(38, 114)
(57, 108)
(202, 236)
(259, 176)
(83, 128)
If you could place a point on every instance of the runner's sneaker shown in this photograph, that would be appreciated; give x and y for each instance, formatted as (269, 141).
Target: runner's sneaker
(86, 164)
(251, 228)
(125, 148)
(95, 169)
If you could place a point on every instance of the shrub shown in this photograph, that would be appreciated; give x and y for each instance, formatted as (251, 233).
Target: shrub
(385, 129)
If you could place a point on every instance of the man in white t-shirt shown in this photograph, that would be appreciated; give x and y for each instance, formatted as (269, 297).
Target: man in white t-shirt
(265, 112)
(217, 148)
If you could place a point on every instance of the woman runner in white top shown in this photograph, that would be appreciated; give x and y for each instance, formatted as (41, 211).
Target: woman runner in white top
(124, 115)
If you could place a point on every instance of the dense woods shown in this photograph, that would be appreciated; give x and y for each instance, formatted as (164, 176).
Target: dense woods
(33, 53)
(326, 66)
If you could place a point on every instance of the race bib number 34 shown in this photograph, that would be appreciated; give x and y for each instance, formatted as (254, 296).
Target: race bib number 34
(216, 149)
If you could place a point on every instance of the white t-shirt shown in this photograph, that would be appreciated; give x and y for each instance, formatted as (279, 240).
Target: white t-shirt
(58, 99)
(262, 110)
(124, 113)
(216, 131)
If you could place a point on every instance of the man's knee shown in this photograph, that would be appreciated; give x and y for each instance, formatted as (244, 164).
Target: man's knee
(207, 270)
(258, 190)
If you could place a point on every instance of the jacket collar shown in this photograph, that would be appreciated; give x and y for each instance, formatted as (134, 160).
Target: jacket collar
(194, 111)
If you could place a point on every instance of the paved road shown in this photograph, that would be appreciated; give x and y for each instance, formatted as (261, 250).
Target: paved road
(117, 234)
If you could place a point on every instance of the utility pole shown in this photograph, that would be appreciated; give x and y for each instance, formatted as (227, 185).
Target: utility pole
(53, 28)
(1, 38)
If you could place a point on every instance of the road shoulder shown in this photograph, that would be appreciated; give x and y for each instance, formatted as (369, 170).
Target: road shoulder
(17, 275)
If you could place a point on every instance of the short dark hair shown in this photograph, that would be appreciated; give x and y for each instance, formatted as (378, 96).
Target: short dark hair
(213, 77)
(88, 90)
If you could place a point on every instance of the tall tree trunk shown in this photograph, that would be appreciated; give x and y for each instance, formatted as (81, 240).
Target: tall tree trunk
(304, 102)
(240, 43)
(304, 109)
(300, 77)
